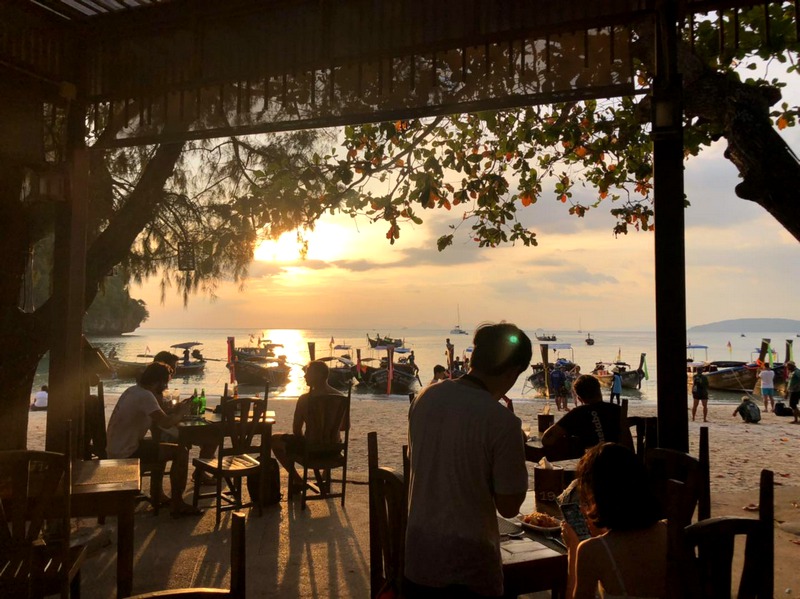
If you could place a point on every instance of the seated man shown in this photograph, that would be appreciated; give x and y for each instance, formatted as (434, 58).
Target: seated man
(136, 411)
(40, 400)
(439, 374)
(284, 445)
(592, 422)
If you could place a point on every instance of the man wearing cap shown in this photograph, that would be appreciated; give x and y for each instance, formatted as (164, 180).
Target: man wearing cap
(467, 462)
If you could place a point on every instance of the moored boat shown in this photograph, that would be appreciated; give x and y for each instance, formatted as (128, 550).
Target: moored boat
(589, 340)
(341, 368)
(564, 361)
(259, 373)
(631, 379)
(542, 336)
(380, 342)
(262, 351)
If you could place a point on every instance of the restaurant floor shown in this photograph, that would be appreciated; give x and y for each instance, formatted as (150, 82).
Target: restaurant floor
(320, 552)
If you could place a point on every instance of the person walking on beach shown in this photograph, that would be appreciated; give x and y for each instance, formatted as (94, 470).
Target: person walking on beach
(467, 462)
(616, 387)
(767, 376)
(137, 410)
(700, 394)
(593, 422)
(286, 445)
(558, 388)
(793, 390)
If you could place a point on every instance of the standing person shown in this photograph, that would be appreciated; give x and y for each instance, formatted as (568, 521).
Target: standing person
(593, 422)
(40, 400)
(467, 462)
(700, 394)
(616, 387)
(286, 445)
(767, 376)
(793, 390)
(449, 351)
(627, 553)
(558, 388)
(136, 411)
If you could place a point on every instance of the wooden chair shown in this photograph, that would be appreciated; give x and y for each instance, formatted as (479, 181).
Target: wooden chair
(238, 571)
(387, 525)
(704, 551)
(94, 439)
(323, 449)
(35, 554)
(242, 420)
(646, 432)
(668, 464)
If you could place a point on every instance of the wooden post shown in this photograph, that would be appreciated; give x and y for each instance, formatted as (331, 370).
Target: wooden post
(69, 282)
(670, 261)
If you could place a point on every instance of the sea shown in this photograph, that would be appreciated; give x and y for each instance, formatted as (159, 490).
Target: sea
(429, 350)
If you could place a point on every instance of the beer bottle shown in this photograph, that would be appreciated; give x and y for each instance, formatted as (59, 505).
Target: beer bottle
(202, 402)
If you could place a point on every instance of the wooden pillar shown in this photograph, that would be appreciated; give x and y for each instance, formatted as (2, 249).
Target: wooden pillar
(670, 260)
(69, 281)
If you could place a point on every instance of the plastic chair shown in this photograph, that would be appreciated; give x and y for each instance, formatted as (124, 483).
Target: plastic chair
(35, 554)
(238, 571)
(242, 420)
(387, 525)
(323, 449)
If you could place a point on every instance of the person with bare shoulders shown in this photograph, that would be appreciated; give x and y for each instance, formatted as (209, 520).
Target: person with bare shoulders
(627, 553)
(286, 445)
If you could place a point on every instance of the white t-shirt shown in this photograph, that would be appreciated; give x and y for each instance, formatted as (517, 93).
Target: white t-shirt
(40, 399)
(464, 448)
(767, 379)
(130, 421)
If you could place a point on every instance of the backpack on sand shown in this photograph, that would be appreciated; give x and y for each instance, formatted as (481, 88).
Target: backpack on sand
(782, 410)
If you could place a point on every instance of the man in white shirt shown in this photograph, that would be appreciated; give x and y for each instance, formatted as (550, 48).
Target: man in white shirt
(767, 376)
(467, 462)
(40, 400)
(136, 411)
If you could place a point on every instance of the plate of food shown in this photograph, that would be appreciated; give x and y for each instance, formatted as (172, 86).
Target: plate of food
(540, 522)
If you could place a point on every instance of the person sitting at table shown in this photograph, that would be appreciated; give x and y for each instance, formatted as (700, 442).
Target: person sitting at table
(627, 554)
(136, 411)
(40, 400)
(467, 463)
(592, 422)
(207, 450)
(286, 445)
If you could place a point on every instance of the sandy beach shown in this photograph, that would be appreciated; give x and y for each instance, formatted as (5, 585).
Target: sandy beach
(738, 453)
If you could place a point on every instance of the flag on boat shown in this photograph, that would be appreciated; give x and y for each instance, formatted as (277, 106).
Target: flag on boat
(644, 369)
(619, 355)
(730, 348)
(147, 349)
(332, 343)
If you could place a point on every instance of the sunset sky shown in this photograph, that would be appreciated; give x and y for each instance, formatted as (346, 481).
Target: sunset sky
(740, 263)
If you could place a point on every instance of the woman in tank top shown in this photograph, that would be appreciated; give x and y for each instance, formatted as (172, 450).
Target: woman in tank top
(627, 554)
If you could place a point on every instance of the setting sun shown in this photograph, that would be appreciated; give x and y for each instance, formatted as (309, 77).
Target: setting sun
(328, 241)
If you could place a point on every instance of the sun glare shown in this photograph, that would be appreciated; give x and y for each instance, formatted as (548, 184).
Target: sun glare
(327, 242)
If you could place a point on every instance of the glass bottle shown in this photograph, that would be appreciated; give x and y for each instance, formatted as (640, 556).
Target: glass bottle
(202, 402)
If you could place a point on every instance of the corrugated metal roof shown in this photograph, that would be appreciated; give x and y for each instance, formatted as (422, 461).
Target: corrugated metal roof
(83, 9)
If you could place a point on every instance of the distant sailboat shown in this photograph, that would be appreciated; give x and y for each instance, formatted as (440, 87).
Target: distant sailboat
(457, 330)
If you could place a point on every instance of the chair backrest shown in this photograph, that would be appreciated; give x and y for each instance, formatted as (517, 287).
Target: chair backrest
(646, 429)
(238, 571)
(94, 438)
(328, 417)
(668, 464)
(242, 421)
(387, 524)
(705, 552)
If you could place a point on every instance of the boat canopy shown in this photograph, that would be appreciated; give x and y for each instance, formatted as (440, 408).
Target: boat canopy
(558, 346)
(187, 344)
(342, 347)
(694, 346)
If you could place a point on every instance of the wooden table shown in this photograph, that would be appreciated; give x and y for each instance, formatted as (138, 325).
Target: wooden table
(109, 488)
(206, 430)
(533, 563)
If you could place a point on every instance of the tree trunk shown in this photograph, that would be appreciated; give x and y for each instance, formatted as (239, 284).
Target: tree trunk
(25, 338)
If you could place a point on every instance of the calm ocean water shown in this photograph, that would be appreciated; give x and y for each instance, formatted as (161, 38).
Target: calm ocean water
(429, 350)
